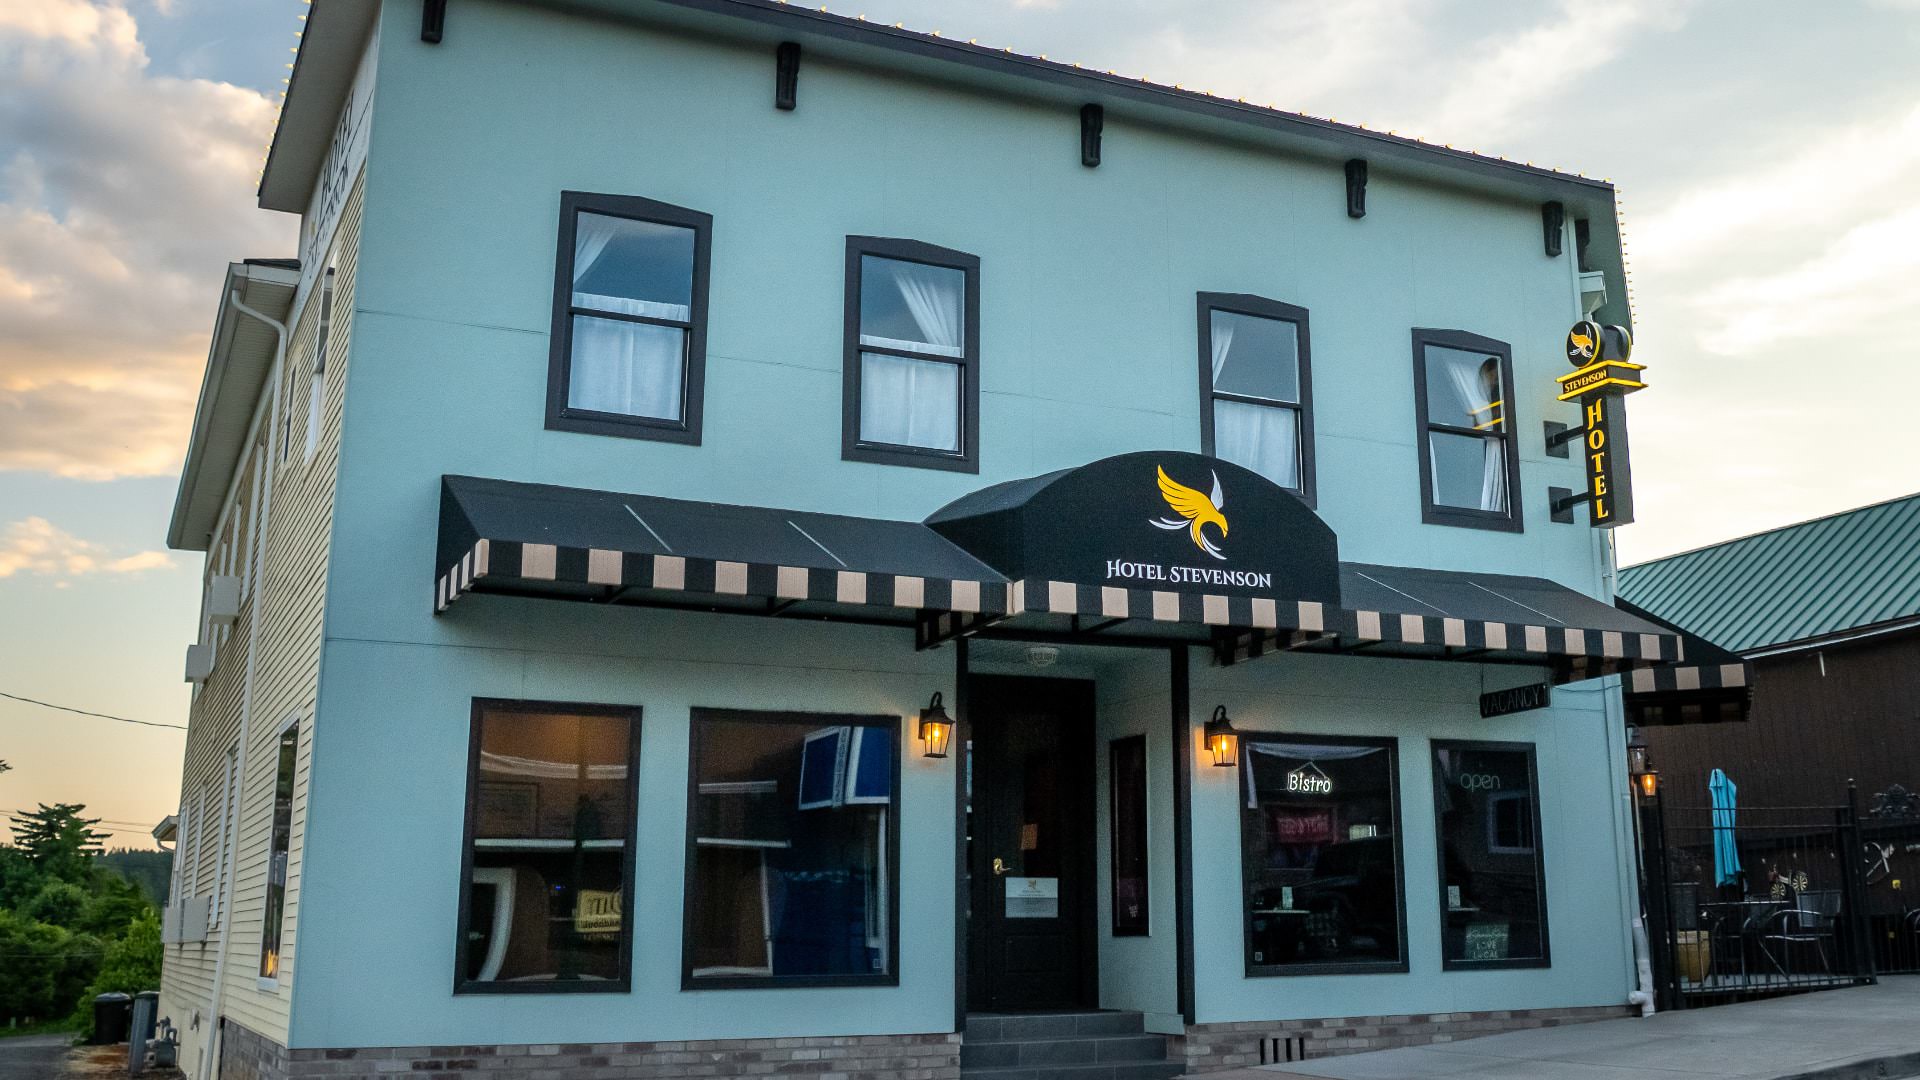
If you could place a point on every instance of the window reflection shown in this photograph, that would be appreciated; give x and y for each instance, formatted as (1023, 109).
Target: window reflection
(1493, 902)
(1320, 861)
(791, 865)
(551, 802)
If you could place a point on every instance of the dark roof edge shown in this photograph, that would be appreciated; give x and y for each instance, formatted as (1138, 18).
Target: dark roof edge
(1835, 637)
(1005, 61)
(1756, 534)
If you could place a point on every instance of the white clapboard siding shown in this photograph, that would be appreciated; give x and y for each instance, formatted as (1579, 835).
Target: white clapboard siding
(290, 603)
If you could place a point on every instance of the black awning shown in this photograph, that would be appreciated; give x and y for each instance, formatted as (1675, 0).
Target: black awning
(1149, 548)
(500, 536)
(1708, 685)
(1502, 618)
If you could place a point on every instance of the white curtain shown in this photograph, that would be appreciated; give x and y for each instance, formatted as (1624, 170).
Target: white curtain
(1222, 341)
(635, 369)
(1469, 378)
(1264, 438)
(907, 402)
(935, 297)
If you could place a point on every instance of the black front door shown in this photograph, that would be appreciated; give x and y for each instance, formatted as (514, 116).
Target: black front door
(1030, 935)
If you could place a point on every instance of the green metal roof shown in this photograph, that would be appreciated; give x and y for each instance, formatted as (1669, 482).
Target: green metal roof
(1831, 575)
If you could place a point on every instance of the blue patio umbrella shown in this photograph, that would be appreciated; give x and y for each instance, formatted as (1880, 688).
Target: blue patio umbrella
(1726, 857)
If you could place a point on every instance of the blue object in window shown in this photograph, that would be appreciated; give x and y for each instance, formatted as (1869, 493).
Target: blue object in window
(823, 768)
(870, 774)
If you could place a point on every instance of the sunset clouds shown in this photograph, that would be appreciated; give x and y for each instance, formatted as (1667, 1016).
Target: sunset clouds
(123, 195)
(38, 547)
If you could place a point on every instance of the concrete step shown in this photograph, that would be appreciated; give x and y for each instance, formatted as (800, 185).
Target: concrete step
(1029, 1027)
(1142, 1070)
(1034, 1053)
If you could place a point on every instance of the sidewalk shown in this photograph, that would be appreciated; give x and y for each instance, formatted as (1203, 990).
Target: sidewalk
(1808, 1036)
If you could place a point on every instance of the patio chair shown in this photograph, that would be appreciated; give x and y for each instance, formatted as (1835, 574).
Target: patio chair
(1808, 924)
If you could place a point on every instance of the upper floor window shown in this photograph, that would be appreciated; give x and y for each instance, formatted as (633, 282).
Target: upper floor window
(912, 355)
(1255, 389)
(628, 354)
(1469, 465)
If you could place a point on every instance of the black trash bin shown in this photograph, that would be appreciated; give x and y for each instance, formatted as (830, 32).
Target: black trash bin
(112, 1015)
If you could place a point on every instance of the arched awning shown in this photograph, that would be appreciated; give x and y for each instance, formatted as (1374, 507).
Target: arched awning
(1162, 547)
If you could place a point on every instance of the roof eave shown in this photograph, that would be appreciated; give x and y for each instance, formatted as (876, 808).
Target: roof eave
(231, 385)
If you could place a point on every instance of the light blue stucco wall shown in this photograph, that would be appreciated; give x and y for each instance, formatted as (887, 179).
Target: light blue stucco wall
(1087, 342)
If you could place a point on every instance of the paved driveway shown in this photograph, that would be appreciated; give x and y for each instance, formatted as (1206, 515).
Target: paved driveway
(33, 1057)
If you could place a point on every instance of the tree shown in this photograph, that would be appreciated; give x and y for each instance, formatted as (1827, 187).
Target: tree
(58, 903)
(131, 964)
(58, 841)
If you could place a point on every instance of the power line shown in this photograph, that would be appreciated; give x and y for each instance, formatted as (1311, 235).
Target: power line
(83, 712)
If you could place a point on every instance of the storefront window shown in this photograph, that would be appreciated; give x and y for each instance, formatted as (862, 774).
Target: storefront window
(550, 806)
(1320, 848)
(793, 845)
(1127, 773)
(1493, 904)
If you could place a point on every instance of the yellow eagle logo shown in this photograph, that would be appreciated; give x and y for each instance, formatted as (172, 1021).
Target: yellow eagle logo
(1196, 509)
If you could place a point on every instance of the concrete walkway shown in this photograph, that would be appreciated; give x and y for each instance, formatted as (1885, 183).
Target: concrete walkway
(1837, 1034)
(33, 1057)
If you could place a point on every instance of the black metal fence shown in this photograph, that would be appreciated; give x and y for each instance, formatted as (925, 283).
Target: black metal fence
(1890, 873)
(1799, 913)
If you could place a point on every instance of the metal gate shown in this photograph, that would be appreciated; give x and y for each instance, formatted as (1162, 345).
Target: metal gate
(1796, 915)
(1890, 871)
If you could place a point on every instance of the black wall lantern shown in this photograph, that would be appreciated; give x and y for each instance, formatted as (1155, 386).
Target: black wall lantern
(936, 729)
(1646, 778)
(1222, 741)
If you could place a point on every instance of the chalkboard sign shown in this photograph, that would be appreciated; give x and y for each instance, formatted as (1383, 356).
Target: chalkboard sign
(1487, 941)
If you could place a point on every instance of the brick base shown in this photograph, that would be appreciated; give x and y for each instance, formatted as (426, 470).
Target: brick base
(1209, 1047)
(245, 1055)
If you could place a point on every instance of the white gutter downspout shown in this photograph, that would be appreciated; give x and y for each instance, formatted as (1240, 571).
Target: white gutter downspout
(214, 1037)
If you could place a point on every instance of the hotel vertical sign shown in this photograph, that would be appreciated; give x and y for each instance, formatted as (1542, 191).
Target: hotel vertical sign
(1603, 374)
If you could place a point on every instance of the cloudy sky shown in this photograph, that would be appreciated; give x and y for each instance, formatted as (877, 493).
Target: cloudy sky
(1766, 153)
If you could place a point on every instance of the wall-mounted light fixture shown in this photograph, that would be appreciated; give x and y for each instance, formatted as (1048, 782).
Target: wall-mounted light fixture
(1640, 768)
(936, 728)
(1222, 741)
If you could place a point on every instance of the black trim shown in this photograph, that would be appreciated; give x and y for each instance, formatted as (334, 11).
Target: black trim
(1131, 744)
(559, 357)
(961, 751)
(1357, 188)
(1182, 731)
(851, 446)
(433, 21)
(1263, 308)
(1545, 959)
(1553, 227)
(786, 76)
(1261, 971)
(699, 716)
(621, 985)
(1092, 119)
(1513, 520)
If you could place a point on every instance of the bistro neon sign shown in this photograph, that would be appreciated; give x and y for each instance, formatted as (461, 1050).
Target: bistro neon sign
(1309, 780)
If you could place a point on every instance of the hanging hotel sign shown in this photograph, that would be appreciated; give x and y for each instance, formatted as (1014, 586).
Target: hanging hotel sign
(1603, 374)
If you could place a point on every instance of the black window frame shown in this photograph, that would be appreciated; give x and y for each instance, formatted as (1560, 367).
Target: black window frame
(1260, 307)
(1377, 967)
(701, 715)
(852, 447)
(624, 983)
(1129, 744)
(561, 417)
(1545, 959)
(273, 911)
(1431, 512)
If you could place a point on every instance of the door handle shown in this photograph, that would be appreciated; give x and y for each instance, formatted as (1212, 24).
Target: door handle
(1000, 867)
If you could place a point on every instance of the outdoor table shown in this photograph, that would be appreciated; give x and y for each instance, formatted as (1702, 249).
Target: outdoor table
(1717, 913)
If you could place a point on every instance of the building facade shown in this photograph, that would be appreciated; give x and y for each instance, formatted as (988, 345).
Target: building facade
(674, 404)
